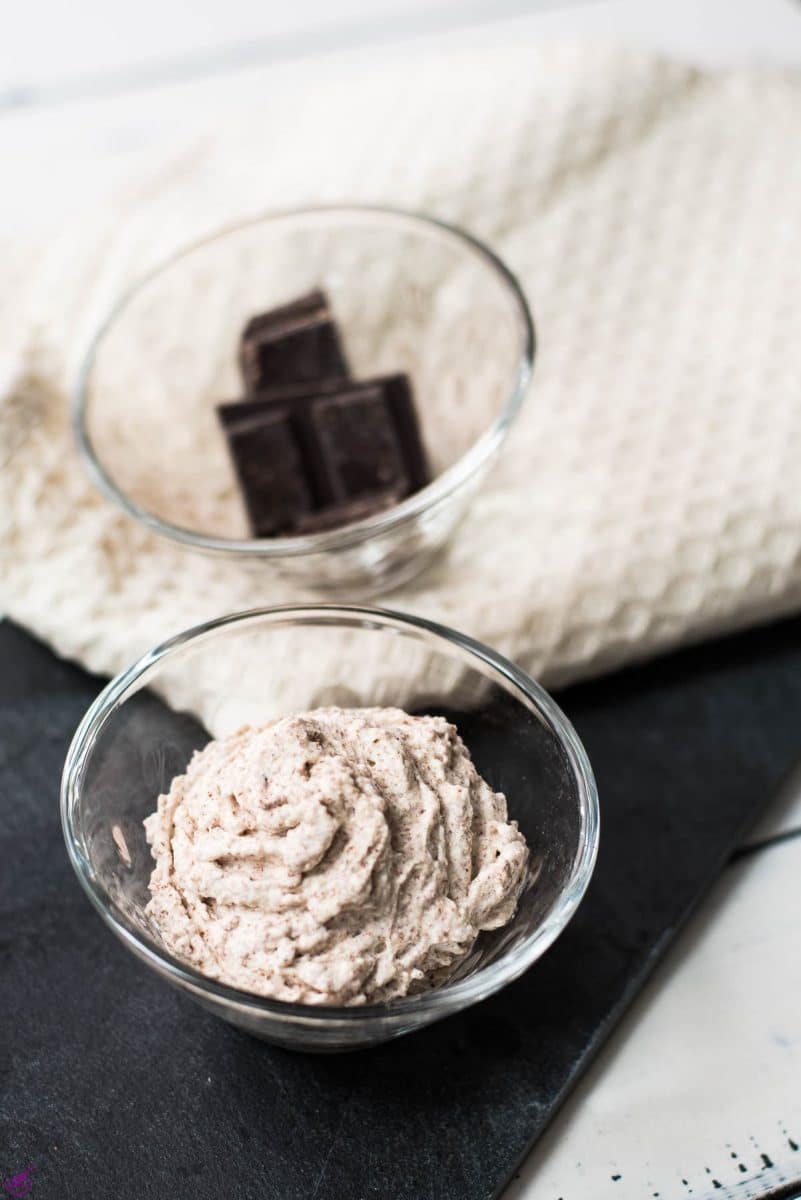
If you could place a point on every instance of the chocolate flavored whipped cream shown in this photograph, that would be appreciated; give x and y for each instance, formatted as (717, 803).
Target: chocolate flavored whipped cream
(340, 856)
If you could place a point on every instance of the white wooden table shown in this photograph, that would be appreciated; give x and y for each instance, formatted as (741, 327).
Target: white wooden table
(699, 1092)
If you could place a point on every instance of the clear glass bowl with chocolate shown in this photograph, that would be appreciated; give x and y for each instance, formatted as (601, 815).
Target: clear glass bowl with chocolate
(320, 390)
(250, 668)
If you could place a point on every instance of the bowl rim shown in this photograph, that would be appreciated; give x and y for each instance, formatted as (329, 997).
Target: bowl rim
(433, 494)
(446, 998)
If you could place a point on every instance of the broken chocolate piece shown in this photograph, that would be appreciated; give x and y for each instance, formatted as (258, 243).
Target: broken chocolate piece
(357, 447)
(268, 460)
(296, 343)
(359, 437)
(313, 450)
(398, 392)
(358, 443)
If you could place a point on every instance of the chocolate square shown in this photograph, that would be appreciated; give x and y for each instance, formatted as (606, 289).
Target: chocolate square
(268, 460)
(358, 443)
(296, 343)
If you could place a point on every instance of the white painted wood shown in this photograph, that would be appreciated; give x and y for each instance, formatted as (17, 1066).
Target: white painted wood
(53, 50)
(92, 144)
(109, 40)
(707, 1065)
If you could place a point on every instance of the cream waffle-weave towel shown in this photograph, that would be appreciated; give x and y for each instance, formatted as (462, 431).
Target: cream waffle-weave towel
(651, 492)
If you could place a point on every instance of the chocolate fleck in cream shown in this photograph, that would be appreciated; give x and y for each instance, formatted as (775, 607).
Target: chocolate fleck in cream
(340, 856)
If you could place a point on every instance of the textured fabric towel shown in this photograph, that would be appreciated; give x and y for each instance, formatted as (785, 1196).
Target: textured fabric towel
(650, 493)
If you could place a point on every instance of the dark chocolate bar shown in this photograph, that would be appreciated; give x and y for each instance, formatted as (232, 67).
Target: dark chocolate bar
(357, 447)
(324, 406)
(296, 343)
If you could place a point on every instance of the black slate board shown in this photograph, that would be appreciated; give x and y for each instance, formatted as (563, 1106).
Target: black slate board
(115, 1085)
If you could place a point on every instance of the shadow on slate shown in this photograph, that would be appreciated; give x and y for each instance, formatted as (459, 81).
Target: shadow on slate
(115, 1085)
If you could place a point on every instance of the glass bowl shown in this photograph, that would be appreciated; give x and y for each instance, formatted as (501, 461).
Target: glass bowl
(409, 294)
(254, 666)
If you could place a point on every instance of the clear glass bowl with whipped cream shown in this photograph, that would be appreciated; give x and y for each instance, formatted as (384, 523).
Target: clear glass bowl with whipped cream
(410, 295)
(253, 671)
